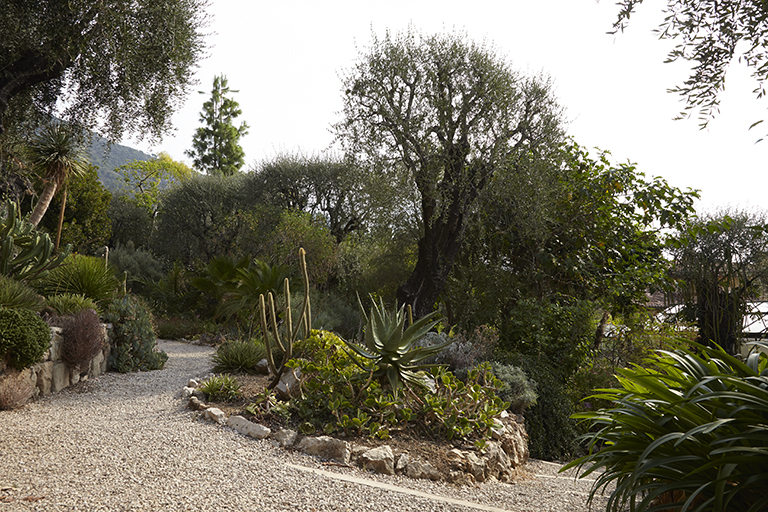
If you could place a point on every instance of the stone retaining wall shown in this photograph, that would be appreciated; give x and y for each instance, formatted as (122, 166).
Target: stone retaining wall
(51, 374)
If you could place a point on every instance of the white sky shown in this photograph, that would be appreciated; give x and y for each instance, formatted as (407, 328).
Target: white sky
(285, 58)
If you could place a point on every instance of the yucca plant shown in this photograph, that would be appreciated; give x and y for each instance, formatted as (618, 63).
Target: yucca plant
(16, 294)
(82, 275)
(689, 432)
(390, 346)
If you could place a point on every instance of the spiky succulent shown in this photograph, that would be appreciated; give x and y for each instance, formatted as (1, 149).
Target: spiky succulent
(390, 346)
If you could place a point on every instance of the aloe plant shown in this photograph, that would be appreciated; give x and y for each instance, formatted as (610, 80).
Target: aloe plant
(390, 346)
(688, 433)
(25, 253)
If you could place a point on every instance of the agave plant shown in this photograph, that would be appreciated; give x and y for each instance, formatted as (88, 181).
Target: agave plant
(687, 433)
(391, 347)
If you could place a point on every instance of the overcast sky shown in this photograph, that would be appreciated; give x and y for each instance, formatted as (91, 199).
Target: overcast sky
(285, 59)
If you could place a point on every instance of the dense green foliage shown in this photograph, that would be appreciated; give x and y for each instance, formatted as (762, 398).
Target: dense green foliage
(145, 178)
(86, 224)
(721, 262)
(135, 266)
(216, 146)
(133, 338)
(448, 113)
(689, 427)
(24, 337)
(70, 50)
(131, 223)
(338, 396)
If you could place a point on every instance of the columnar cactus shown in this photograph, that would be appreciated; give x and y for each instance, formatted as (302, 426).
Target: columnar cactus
(272, 338)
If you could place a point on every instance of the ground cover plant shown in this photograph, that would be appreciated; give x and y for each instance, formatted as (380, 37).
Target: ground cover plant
(686, 432)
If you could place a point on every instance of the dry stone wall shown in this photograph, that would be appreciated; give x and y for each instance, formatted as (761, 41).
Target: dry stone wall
(51, 374)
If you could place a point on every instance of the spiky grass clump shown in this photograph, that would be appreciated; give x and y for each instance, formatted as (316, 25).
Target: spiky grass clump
(240, 356)
(687, 432)
(220, 388)
(15, 294)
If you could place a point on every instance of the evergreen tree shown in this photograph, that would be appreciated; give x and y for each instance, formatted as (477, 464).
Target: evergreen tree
(215, 146)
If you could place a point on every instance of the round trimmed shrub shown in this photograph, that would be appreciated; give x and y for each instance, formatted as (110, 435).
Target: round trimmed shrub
(24, 337)
(133, 337)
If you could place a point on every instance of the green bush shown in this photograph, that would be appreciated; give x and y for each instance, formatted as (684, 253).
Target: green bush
(24, 337)
(221, 388)
(552, 434)
(70, 303)
(138, 266)
(516, 388)
(338, 395)
(176, 327)
(239, 356)
(687, 431)
(15, 294)
(133, 337)
(82, 275)
(82, 338)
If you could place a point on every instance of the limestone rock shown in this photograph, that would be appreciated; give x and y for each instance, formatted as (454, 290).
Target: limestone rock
(285, 437)
(515, 441)
(326, 448)
(421, 469)
(59, 376)
(187, 392)
(289, 384)
(402, 462)
(215, 415)
(195, 404)
(497, 463)
(192, 383)
(248, 428)
(44, 377)
(262, 367)
(379, 459)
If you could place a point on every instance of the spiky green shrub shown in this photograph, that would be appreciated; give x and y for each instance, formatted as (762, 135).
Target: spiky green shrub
(239, 356)
(16, 294)
(24, 337)
(221, 388)
(70, 303)
(82, 338)
(82, 275)
(133, 340)
(391, 347)
(26, 253)
(688, 431)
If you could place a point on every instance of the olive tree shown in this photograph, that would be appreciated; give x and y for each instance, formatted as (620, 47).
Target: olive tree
(124, 63)
(449, 113)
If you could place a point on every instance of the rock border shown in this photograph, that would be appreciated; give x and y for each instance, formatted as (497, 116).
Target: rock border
(501, 460)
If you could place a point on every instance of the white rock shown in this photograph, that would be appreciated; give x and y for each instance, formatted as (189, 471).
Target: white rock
(214, 414)
(289, 384)
(420, 469)
(248, 428)
(326, 448)
(402, 462)
(192, 383)
(285, 437)
(379, 459)
(187, 392)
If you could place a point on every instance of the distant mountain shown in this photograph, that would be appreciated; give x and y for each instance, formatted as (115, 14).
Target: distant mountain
(109, 159)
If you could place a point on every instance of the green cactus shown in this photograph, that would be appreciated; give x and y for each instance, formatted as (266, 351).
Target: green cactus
(272, 338)
(25, 252)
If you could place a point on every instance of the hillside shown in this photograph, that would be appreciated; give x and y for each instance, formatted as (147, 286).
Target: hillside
(109, 159)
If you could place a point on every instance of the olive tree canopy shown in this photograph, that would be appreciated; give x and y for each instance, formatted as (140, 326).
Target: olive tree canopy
(117, 65)
(449, 113)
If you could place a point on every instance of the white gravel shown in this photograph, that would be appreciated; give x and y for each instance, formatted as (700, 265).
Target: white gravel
(127, 442)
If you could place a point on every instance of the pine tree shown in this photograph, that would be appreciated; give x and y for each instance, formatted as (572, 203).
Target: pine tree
(216, 145)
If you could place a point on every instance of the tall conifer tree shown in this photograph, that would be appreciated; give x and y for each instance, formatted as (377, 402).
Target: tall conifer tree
(216, 145)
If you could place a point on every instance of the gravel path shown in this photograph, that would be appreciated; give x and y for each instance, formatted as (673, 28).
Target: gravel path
(126, 442)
